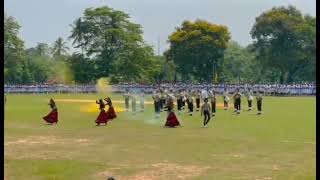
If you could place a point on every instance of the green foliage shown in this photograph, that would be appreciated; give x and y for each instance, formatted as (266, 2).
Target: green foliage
(13, 51)
(41, 68)
(103, 33)
(283, 37)
(135, 63)
(59, 48)
(166, 70)
(82, 68)
(13, 45)
(42, 49)
(237, 63)
(196, 48)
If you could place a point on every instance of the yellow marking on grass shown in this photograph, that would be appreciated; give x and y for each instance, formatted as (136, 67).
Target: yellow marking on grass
(93, 107)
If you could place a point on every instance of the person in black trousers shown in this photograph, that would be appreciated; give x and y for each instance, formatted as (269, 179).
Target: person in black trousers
(179, 101)
(205, 110)
(156, 100)
(198, 100)
(237, 100)
(259, 103)
(213, 103)
(190, 104)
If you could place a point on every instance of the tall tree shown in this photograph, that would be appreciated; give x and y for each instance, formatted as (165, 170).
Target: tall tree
(135, 63)
(277, 40)
(77, 34)
(306, 68)
(13, 51)
(196, 48)
(102, 32)
(83, 69)
(13, 45)
(59, 48)
(237, 63)
(42, 49)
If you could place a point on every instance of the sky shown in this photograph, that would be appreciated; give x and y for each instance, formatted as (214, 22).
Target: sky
(46, 20)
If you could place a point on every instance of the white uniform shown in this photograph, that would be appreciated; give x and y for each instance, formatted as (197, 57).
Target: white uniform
(204, 94)
(142, 102)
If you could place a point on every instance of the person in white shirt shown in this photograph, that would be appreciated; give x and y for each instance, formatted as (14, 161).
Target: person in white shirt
(249, 98)
(205, 110)
(225, 99)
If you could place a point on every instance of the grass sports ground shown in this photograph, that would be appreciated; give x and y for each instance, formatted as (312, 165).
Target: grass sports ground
(278, 145)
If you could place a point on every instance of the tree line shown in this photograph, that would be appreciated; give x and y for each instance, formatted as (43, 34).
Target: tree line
(109, 45)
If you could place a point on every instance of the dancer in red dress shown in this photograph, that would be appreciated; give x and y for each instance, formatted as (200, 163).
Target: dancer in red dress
(111, 114)
(172, 120)
(52, 117)
(102, 118)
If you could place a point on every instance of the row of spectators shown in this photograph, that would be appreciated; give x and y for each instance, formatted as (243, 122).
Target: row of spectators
(266, 89)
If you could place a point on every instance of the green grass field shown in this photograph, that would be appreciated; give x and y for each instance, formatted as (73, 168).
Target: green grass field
(278, 145)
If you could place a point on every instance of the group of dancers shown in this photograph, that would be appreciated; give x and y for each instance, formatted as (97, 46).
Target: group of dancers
(164, 101)
(102, 119)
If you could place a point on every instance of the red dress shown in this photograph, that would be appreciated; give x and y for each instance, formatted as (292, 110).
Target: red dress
(52, 117)
(111, 114)
(102, 118)
(172, 120)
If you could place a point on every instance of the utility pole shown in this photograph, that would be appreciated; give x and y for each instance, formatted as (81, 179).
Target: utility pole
(158, 45)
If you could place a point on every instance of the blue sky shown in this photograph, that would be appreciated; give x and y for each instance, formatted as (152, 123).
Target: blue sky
(46, 20)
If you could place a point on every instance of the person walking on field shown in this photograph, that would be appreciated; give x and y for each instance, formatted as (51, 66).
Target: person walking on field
(205, 110)
(184, 99)
(179, 101)
(259, 103)
(142, 101)
(237, 99)
(133, 104)
(126, 100)
(225, 99)
(249, 98)
(162, 100)
(190, 104)
(198, 95)
(156, 101)
(213, 103)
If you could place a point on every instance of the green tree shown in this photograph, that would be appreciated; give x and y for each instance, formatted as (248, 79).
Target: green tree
(59, 48)
(278, 42)
(196, 48)
(42, 49)
(135, 63)
(237, 64)
(305, 70)
(166, 71)
(77, 34)
(13, 51)
(39, 68)
(83, 68)
(102, 32)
